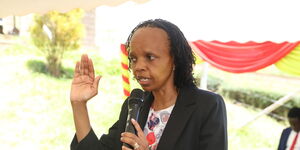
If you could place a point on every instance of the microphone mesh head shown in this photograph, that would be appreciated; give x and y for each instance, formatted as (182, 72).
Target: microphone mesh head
(136, 93)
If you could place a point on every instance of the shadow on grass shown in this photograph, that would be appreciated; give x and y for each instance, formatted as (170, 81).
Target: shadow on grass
(39, 66)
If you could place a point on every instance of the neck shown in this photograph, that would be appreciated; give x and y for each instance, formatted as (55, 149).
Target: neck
(164, 98)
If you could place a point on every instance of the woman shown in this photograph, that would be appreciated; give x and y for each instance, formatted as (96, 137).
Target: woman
(176, 115)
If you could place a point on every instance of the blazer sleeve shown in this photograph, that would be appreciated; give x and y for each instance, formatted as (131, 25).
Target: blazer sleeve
(110, 141)
(91, 142)
(213, 135)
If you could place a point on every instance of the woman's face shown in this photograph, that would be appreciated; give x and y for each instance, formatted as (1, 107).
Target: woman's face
(151, 61)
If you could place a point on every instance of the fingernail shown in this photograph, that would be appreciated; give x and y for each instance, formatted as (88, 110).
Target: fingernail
(133, 120)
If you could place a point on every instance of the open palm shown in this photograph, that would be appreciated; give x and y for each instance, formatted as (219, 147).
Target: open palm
(84, 84)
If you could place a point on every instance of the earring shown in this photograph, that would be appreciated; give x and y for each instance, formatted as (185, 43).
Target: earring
(173, 68)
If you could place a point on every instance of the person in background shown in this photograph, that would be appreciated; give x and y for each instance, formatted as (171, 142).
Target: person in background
(290, 139)
(175, 115)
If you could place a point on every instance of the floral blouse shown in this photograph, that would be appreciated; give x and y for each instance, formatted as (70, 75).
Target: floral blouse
(155, 125)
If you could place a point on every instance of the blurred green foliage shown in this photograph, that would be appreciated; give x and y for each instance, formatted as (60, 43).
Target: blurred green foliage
(54, 33)
(261, 99)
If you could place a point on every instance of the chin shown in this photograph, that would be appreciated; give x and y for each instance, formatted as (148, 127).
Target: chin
(147, 88)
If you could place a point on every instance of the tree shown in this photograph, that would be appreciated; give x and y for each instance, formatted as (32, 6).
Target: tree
(54, 33)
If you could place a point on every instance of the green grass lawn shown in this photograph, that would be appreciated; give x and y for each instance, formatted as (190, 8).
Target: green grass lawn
(35, 111)
(262, 134)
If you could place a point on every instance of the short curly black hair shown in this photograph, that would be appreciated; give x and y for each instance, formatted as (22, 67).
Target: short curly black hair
(181, 51)
(294, 113)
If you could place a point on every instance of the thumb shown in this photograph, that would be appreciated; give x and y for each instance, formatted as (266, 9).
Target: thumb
(96, 81)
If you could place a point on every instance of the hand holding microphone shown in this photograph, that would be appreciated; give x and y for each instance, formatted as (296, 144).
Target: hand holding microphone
(134, 137)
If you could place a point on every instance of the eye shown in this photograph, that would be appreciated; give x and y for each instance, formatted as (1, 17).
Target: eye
(150, 57)
(132, 59)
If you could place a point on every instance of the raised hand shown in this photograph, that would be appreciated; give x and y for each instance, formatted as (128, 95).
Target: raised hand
(84, 84)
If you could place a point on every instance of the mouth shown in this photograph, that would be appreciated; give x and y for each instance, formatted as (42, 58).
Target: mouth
(142, 80)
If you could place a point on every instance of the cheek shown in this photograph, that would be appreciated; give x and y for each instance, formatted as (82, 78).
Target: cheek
(164, 72)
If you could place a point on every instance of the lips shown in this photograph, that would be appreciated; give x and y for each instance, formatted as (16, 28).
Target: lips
(143, 80)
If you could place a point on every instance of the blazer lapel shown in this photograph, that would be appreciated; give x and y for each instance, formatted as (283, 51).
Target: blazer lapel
(181, 113)
(286, 137)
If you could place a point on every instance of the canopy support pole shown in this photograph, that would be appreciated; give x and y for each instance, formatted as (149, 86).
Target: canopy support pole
(204, 76)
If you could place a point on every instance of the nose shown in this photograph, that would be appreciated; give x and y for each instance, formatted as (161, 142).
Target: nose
(139, 65)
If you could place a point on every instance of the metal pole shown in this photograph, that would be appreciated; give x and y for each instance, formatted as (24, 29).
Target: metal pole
(203, 82)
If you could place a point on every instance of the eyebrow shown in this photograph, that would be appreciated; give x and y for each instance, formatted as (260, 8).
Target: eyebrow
(146, 52)
(131, 54)
(151, 53)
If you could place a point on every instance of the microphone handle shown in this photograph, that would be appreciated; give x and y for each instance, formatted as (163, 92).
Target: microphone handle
(133, 112)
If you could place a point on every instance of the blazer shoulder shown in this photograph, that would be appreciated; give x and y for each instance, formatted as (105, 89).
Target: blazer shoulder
(287, 130)
(205, 96)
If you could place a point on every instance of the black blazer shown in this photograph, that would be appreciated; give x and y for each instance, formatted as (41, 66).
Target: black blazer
(198, 122)
(284, 138)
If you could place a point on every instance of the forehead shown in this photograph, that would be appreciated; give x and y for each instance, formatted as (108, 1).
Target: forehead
(294, 120)
(149, 37)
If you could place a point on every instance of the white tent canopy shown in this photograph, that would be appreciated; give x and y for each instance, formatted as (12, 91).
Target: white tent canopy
(24, 7)
(224, 20)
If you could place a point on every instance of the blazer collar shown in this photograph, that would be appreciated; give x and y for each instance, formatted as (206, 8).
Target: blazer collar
(182, 110)
(184, 106)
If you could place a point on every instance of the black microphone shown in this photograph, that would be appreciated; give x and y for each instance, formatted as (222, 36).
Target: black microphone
(135, 102)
